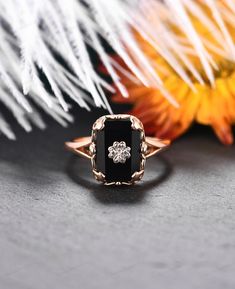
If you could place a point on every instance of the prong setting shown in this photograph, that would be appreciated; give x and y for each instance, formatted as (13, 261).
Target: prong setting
(120, 152)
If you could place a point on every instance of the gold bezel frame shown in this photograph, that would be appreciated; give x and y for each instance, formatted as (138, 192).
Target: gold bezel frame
(136, 125)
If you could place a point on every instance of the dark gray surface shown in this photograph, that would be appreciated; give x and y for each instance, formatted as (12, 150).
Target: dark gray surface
(59, 229)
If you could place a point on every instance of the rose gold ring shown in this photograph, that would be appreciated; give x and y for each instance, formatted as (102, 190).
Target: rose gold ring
(118, 149)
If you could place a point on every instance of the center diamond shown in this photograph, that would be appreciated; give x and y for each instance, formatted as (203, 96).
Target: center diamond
(119, 152)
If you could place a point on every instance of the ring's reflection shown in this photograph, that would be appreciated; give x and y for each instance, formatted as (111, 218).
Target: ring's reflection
(157, 171)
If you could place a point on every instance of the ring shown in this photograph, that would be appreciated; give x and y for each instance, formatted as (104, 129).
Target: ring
(118, 149)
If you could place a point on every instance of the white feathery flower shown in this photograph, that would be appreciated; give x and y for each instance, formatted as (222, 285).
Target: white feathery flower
(51, 38)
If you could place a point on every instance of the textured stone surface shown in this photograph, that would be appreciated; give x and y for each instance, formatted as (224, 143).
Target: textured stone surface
(59, 229)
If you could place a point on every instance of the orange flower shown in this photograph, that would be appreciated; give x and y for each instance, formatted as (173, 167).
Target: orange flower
(207, 105)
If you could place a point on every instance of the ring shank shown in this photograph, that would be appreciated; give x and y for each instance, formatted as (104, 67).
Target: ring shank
(80, 146)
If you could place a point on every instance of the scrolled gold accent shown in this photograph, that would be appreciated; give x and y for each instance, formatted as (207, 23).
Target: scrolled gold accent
(99, 176)
(92, 148)
(136, 124)
(99, 123)
(137, 176)
(144, 147)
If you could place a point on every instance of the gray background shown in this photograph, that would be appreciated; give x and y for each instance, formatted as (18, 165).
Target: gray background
(59, 229)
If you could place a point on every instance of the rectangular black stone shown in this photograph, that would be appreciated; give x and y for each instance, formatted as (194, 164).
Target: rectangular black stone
(117, 130)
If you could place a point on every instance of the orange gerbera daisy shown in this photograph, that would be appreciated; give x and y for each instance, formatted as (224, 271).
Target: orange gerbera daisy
(206, 104)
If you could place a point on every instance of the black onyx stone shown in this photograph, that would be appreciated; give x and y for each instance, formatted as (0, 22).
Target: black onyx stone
(118, 130)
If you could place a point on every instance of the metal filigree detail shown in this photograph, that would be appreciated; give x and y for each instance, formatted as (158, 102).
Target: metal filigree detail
(136, 125)
(92, 148)
(137, 176)
(99, 123)
(99, 176)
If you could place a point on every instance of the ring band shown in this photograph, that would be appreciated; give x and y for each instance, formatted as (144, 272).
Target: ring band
(118, 149)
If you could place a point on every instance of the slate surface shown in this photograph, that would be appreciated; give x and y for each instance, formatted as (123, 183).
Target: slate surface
(59, 229)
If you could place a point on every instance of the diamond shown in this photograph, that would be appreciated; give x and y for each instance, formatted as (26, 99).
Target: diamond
(119, 152)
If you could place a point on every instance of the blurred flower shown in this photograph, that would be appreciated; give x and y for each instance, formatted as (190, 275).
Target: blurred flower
(206, 103)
